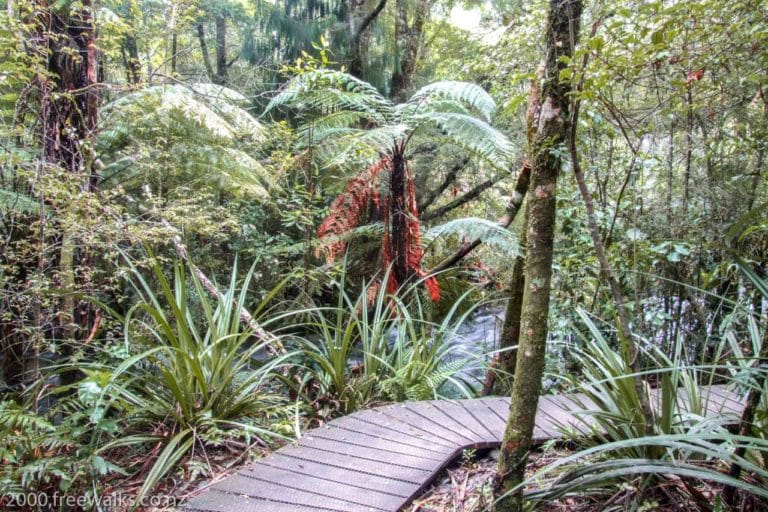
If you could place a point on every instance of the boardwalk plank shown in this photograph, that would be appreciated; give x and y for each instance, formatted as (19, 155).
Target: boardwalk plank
(359, 438)
(345, 491)
(426, 425)
(217, 501)
(458, 409)
(356, 425)
(379, 418)
(378, 460)
(725, 400)
(341, 475)
(333, 447)
(443, 418)
(546, 421)
(384, 469)
(245, 486)
(490, 411)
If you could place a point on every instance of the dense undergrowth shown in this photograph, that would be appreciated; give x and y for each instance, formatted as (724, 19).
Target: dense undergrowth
(202, 257)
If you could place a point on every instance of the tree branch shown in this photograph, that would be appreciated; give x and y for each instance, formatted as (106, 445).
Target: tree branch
(461, 201)
(368, 20)
(449, 178)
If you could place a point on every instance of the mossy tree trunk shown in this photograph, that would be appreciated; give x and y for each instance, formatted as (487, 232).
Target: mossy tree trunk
(551, 128)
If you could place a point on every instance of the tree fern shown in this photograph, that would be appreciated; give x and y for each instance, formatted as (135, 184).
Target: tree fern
(476, 228)
(351, 123)
(196, 133)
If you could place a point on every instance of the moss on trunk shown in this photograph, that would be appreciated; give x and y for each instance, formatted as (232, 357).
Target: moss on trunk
(550, 134)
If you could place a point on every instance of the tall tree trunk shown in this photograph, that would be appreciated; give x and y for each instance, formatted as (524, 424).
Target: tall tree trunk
(68, 100)
(69, 121)
(688, 152)
(133, 62)
(561, 28)
(174, 52)
(408, 38)
(204, 51)
(221, 51)
(358, 25)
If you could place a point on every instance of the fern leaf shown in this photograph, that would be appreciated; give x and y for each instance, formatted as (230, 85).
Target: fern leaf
(327, 91)
(464, 93)
(330, 125)
(476, 228)
(473, 135)
(346, 145)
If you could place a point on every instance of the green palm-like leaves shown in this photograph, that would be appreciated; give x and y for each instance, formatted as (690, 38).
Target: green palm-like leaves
(451, 92)
(188, 133)
(471, 134)
(345, 110)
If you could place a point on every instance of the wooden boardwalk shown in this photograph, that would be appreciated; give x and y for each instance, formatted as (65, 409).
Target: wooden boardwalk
(381, 459)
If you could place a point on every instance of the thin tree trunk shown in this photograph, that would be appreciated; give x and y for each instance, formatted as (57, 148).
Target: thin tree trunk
(632, 353)
(204, 51)
(562, 28)
(502, 368)
(503, 373)
(221, 51)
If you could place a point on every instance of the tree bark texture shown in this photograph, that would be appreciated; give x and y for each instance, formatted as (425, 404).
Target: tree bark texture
(358, 26)
(562, 26)
(221, 51)
(408, 38)
(400, 236)
(204, 50)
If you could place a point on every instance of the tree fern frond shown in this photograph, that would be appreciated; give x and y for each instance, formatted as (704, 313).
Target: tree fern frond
(245, 171)
(329, 125)
(345, 145)
(328, 91)
(465, 93)
(473, 135)
(218, 94)
(476, 228)
(407, 111)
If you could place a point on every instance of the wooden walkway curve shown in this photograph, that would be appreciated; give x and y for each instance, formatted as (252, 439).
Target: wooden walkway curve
(381, 459)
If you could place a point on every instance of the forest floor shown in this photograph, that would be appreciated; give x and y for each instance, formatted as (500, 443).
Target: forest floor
(467, 486)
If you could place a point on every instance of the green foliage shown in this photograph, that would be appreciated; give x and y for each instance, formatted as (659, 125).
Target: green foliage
(473, 228)
(175, 136)
(337, 105)
(373, 347)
